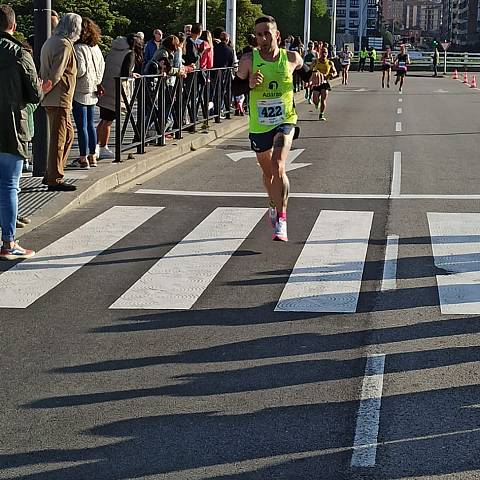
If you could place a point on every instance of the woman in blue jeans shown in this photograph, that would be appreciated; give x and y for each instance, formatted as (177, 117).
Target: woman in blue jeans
(91, 66)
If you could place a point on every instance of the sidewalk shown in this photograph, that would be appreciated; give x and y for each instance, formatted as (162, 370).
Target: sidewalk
(36, 202)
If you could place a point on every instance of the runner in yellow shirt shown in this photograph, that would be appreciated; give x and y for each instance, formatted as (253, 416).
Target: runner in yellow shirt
(323, 70)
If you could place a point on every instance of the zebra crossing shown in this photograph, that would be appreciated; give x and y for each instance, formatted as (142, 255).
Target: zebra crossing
(326, 278)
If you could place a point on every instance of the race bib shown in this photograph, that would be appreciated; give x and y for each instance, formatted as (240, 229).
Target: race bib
(402, 66)
(271, 112)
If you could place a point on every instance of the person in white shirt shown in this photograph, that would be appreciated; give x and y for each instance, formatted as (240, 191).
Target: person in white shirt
(346, 59)
(91, 66)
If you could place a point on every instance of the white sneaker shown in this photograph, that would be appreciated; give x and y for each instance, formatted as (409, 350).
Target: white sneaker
(280, 232)
(105, 153)
(97, 150)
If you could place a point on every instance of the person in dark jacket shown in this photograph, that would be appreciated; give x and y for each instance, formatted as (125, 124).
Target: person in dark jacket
(223, 55)
(192, 54)
(152, 46)
(20, 87)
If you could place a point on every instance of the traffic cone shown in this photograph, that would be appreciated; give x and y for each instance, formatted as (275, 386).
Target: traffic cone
(465, 77)
(474, 82)
(455, 75)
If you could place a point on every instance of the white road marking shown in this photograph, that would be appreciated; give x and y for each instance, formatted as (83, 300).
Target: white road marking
(389, 280)
(396, 175)
(400, 100)
(368, 419)
(375, 196)
(455, 239)
(178, 280)
(328, 274)
(289, 165)
(399, 110)
(29, 280)
(398, 127)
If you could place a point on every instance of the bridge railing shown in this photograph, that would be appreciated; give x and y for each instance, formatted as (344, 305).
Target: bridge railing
(151, 107)
(457, 60)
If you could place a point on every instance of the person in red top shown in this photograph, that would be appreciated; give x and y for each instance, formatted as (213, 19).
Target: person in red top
(206, 58)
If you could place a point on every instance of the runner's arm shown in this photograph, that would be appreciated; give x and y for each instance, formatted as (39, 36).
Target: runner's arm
(241, 83)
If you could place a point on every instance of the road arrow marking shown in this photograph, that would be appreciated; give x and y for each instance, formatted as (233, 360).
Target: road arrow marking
(289, 165)
(440, 91)
(361, 90)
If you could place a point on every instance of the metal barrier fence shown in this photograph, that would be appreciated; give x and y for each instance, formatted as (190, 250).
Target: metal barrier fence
(155, 106)
(424, 59)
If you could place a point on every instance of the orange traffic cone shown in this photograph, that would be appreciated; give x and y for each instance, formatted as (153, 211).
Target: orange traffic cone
(474, 82)
(455, 75)
(465, 77)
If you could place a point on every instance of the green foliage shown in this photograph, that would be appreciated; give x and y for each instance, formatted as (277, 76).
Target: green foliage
(290, 17)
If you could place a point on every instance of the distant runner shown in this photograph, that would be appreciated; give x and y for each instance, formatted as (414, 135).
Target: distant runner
(387, 64)
(323, 70)
(401, 63)
(346, 59)
(267, 75)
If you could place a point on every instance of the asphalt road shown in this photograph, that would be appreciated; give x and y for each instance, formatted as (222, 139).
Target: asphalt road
(161, 334)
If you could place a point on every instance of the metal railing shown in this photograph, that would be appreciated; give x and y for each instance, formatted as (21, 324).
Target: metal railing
(424, 59)
(156, 106)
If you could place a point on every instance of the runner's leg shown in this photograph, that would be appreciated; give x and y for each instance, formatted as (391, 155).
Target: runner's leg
(280, 185)
(264, 159)
(323, 104)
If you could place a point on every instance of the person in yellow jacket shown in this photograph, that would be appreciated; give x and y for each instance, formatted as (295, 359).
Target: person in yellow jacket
(362, 58)
(323, 70)
(372, 55)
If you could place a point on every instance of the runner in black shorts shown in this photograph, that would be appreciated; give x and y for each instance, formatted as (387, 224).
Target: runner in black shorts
(323, 70)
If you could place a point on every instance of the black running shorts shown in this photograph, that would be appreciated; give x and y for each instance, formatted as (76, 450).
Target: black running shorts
(263, 142)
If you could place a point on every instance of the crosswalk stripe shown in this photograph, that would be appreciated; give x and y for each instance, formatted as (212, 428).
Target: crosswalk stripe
(455, 239)
(178, 280)
(328, 274)
(29, 280)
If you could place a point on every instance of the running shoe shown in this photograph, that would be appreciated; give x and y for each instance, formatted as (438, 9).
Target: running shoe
(15, 253)
(272, 216)
(280, 232)
(322, 117)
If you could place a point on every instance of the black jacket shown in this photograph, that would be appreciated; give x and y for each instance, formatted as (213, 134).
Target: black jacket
(223, 55)
(19, 87)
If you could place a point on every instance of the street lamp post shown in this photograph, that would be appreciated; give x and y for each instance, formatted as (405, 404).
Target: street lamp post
(307, 20)
(204, 14)
(231, 20)
(42, 10)
(197, 11)
(333, 28)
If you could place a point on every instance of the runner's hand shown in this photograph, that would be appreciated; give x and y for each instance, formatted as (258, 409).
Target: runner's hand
(255, 79)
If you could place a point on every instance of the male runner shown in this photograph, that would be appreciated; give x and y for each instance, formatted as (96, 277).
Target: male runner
(267, 75)
(322, 70)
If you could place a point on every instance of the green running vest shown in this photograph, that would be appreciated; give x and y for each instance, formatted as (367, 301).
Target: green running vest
(272, 103)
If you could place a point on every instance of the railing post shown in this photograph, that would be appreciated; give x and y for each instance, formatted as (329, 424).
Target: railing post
(228, 96)
(162, 111)
(206, 97)
(141, 115)
(179, 100)
(193, 101)
(118, 120)
(218, 106)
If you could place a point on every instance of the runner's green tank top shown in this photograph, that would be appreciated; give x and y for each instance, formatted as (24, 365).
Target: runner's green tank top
(272, 103)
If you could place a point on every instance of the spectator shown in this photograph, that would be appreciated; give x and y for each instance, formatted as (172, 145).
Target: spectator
(362, 55)
(206, 57)
(59, 64)
(187, 29)
(152, 46)
(216, 34)
(167, 50)
(120, 62)
(138, 49)
(372, 55)
(20, 87)
(435, 61)
(54, 19)
(297, 46)
(91, 66)
(223, 55)
(141, 35)
(251, 44)
(192, 56)
(178, 55)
